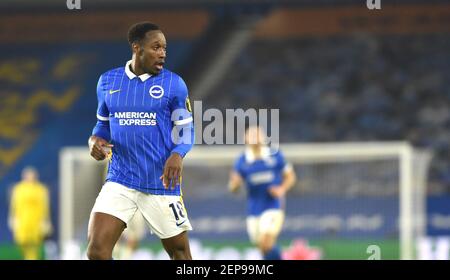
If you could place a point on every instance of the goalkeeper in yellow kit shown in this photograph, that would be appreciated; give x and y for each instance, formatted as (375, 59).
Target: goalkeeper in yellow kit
(29, 214)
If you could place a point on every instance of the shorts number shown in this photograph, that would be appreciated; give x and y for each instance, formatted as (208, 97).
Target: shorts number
(177, 210)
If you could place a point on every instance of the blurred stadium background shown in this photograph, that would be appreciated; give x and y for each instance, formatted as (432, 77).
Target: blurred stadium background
(338, 72)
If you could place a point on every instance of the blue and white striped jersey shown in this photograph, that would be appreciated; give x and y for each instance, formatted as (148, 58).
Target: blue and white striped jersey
(137, 115)
(259, 175)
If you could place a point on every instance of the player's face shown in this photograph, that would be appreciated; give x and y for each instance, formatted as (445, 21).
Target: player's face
(254, 136)
(29, 175)
(152, 52)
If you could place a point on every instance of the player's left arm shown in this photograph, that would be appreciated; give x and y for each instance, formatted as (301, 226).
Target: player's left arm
(289, 179)
(182, 134)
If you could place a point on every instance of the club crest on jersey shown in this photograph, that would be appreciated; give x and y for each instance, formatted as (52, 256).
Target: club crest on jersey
(156, 91)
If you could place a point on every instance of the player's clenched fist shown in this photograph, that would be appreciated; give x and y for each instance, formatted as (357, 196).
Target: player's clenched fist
(98, 147)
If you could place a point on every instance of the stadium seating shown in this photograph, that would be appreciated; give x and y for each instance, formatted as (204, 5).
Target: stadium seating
(350, 88)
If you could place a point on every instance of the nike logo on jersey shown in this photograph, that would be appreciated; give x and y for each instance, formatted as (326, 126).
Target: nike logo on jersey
(179, 224)
(113, 91)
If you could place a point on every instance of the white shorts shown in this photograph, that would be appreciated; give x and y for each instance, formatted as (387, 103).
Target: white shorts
(269, 222)
(165, 215)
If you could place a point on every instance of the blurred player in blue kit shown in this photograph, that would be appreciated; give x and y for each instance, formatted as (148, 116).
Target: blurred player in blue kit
(145, 124)
(267, 177)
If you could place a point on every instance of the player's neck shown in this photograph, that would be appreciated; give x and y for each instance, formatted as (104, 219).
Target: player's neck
(135, 68)
(256, 150)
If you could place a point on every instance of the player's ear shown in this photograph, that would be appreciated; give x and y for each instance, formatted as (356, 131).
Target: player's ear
(136, 47)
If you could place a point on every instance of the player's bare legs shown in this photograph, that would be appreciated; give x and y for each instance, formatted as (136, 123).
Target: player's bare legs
(103, 233)
(178, 247)
(30, 251)
(266, 242)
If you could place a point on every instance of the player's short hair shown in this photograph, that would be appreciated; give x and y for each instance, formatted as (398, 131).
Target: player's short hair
(29, 169)
(138, 30)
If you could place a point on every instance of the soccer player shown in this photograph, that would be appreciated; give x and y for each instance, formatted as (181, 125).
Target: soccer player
(145, 122)
(267, 177)
(29, 218)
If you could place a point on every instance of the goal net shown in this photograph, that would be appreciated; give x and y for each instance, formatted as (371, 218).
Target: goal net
(348, 198)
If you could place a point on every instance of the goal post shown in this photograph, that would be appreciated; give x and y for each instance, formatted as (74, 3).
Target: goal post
(367, 169)
(413, 166)
(80, 180)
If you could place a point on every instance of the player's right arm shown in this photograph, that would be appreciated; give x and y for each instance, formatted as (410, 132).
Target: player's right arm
(235, 182)
(236, 176)
(99, 141)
